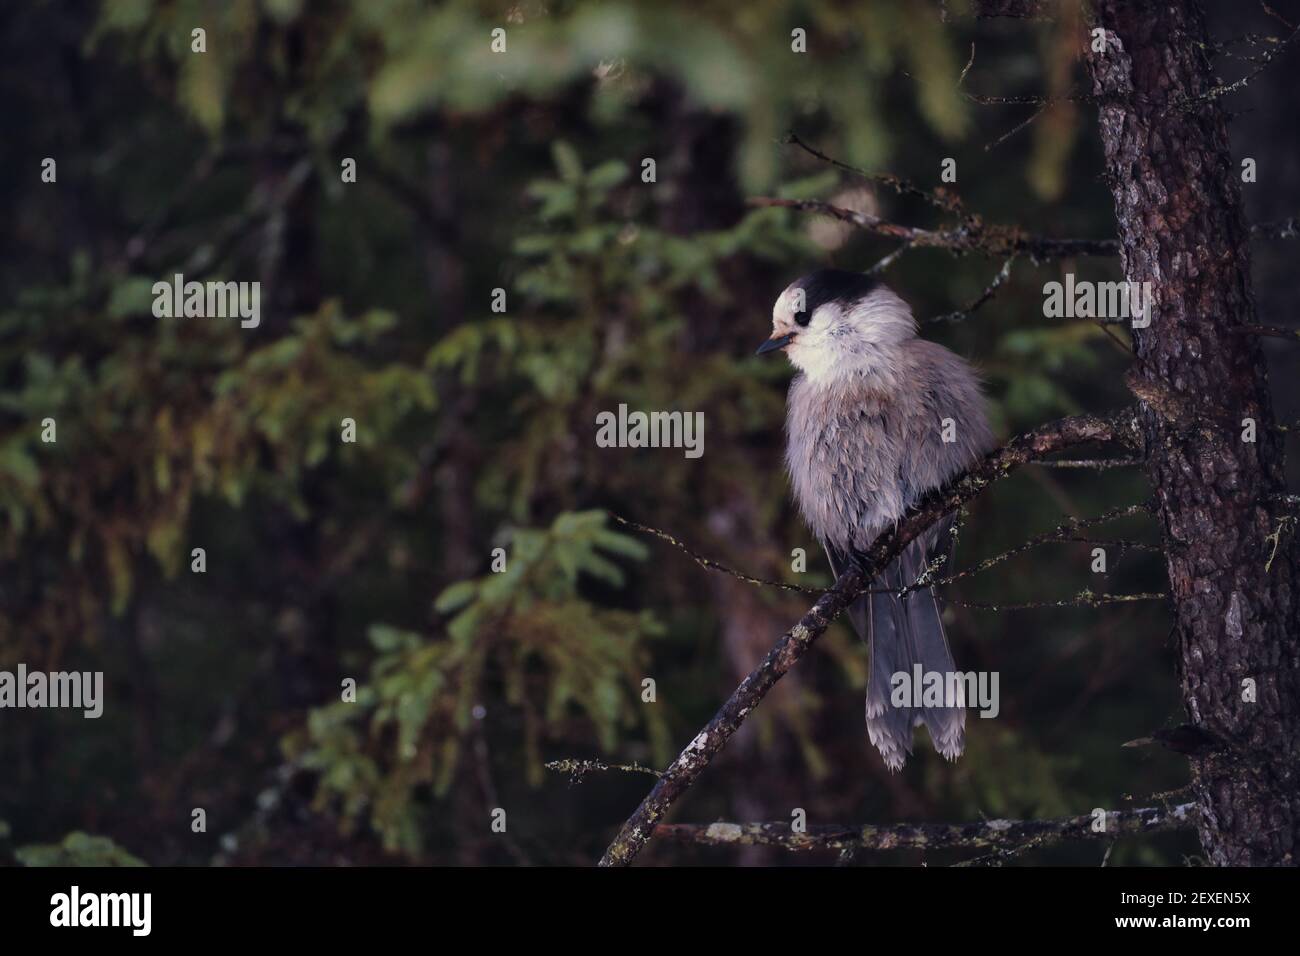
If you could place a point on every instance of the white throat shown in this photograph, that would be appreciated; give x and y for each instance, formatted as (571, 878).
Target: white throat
(878, 369)
(864, 346)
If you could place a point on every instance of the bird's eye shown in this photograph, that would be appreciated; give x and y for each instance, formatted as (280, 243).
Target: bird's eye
(801, 317)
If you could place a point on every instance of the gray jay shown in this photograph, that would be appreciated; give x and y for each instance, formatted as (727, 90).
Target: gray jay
(875, 419)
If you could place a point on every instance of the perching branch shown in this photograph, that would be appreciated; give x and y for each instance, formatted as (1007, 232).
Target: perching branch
(932, 836)
(690, 763)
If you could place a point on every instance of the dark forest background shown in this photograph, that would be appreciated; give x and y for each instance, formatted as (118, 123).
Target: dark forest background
(475, 430)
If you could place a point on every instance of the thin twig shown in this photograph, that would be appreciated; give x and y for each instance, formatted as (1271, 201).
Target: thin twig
(1032, 99)
(1001, 241)
(1217, 92)
(989, 147)
(966, 69)
(1287, 521)
(709, 563)
(578, 769)
(941, 199)
(1000, 855)
(1273, 13)
(1099, 464)
(888, 260)
(1274, 331)
(1288, 228)
(1084, 598)
(989, 292)
(1065, 532)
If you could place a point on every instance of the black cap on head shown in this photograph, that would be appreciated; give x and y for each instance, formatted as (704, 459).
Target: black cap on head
(832, 285)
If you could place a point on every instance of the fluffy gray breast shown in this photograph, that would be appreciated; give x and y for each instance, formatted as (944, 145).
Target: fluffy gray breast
(858, 457)
(843, 451)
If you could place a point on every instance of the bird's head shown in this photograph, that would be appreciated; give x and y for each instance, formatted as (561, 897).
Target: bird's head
(832, 323)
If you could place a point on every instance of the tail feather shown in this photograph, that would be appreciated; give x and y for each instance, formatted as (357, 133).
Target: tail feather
(900, 633)
(929, 646)
(888, 727)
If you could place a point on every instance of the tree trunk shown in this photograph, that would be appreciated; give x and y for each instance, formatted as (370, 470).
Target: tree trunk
(1227, 534)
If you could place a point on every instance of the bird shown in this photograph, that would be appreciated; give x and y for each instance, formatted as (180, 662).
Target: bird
(877, 417)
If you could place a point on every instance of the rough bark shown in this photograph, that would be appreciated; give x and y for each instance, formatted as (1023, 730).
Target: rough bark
(1228, 539)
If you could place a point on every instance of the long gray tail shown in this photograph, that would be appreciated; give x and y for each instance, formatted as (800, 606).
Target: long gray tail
(901, 633)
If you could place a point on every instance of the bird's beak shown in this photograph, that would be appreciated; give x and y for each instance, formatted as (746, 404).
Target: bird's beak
(774, 343)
